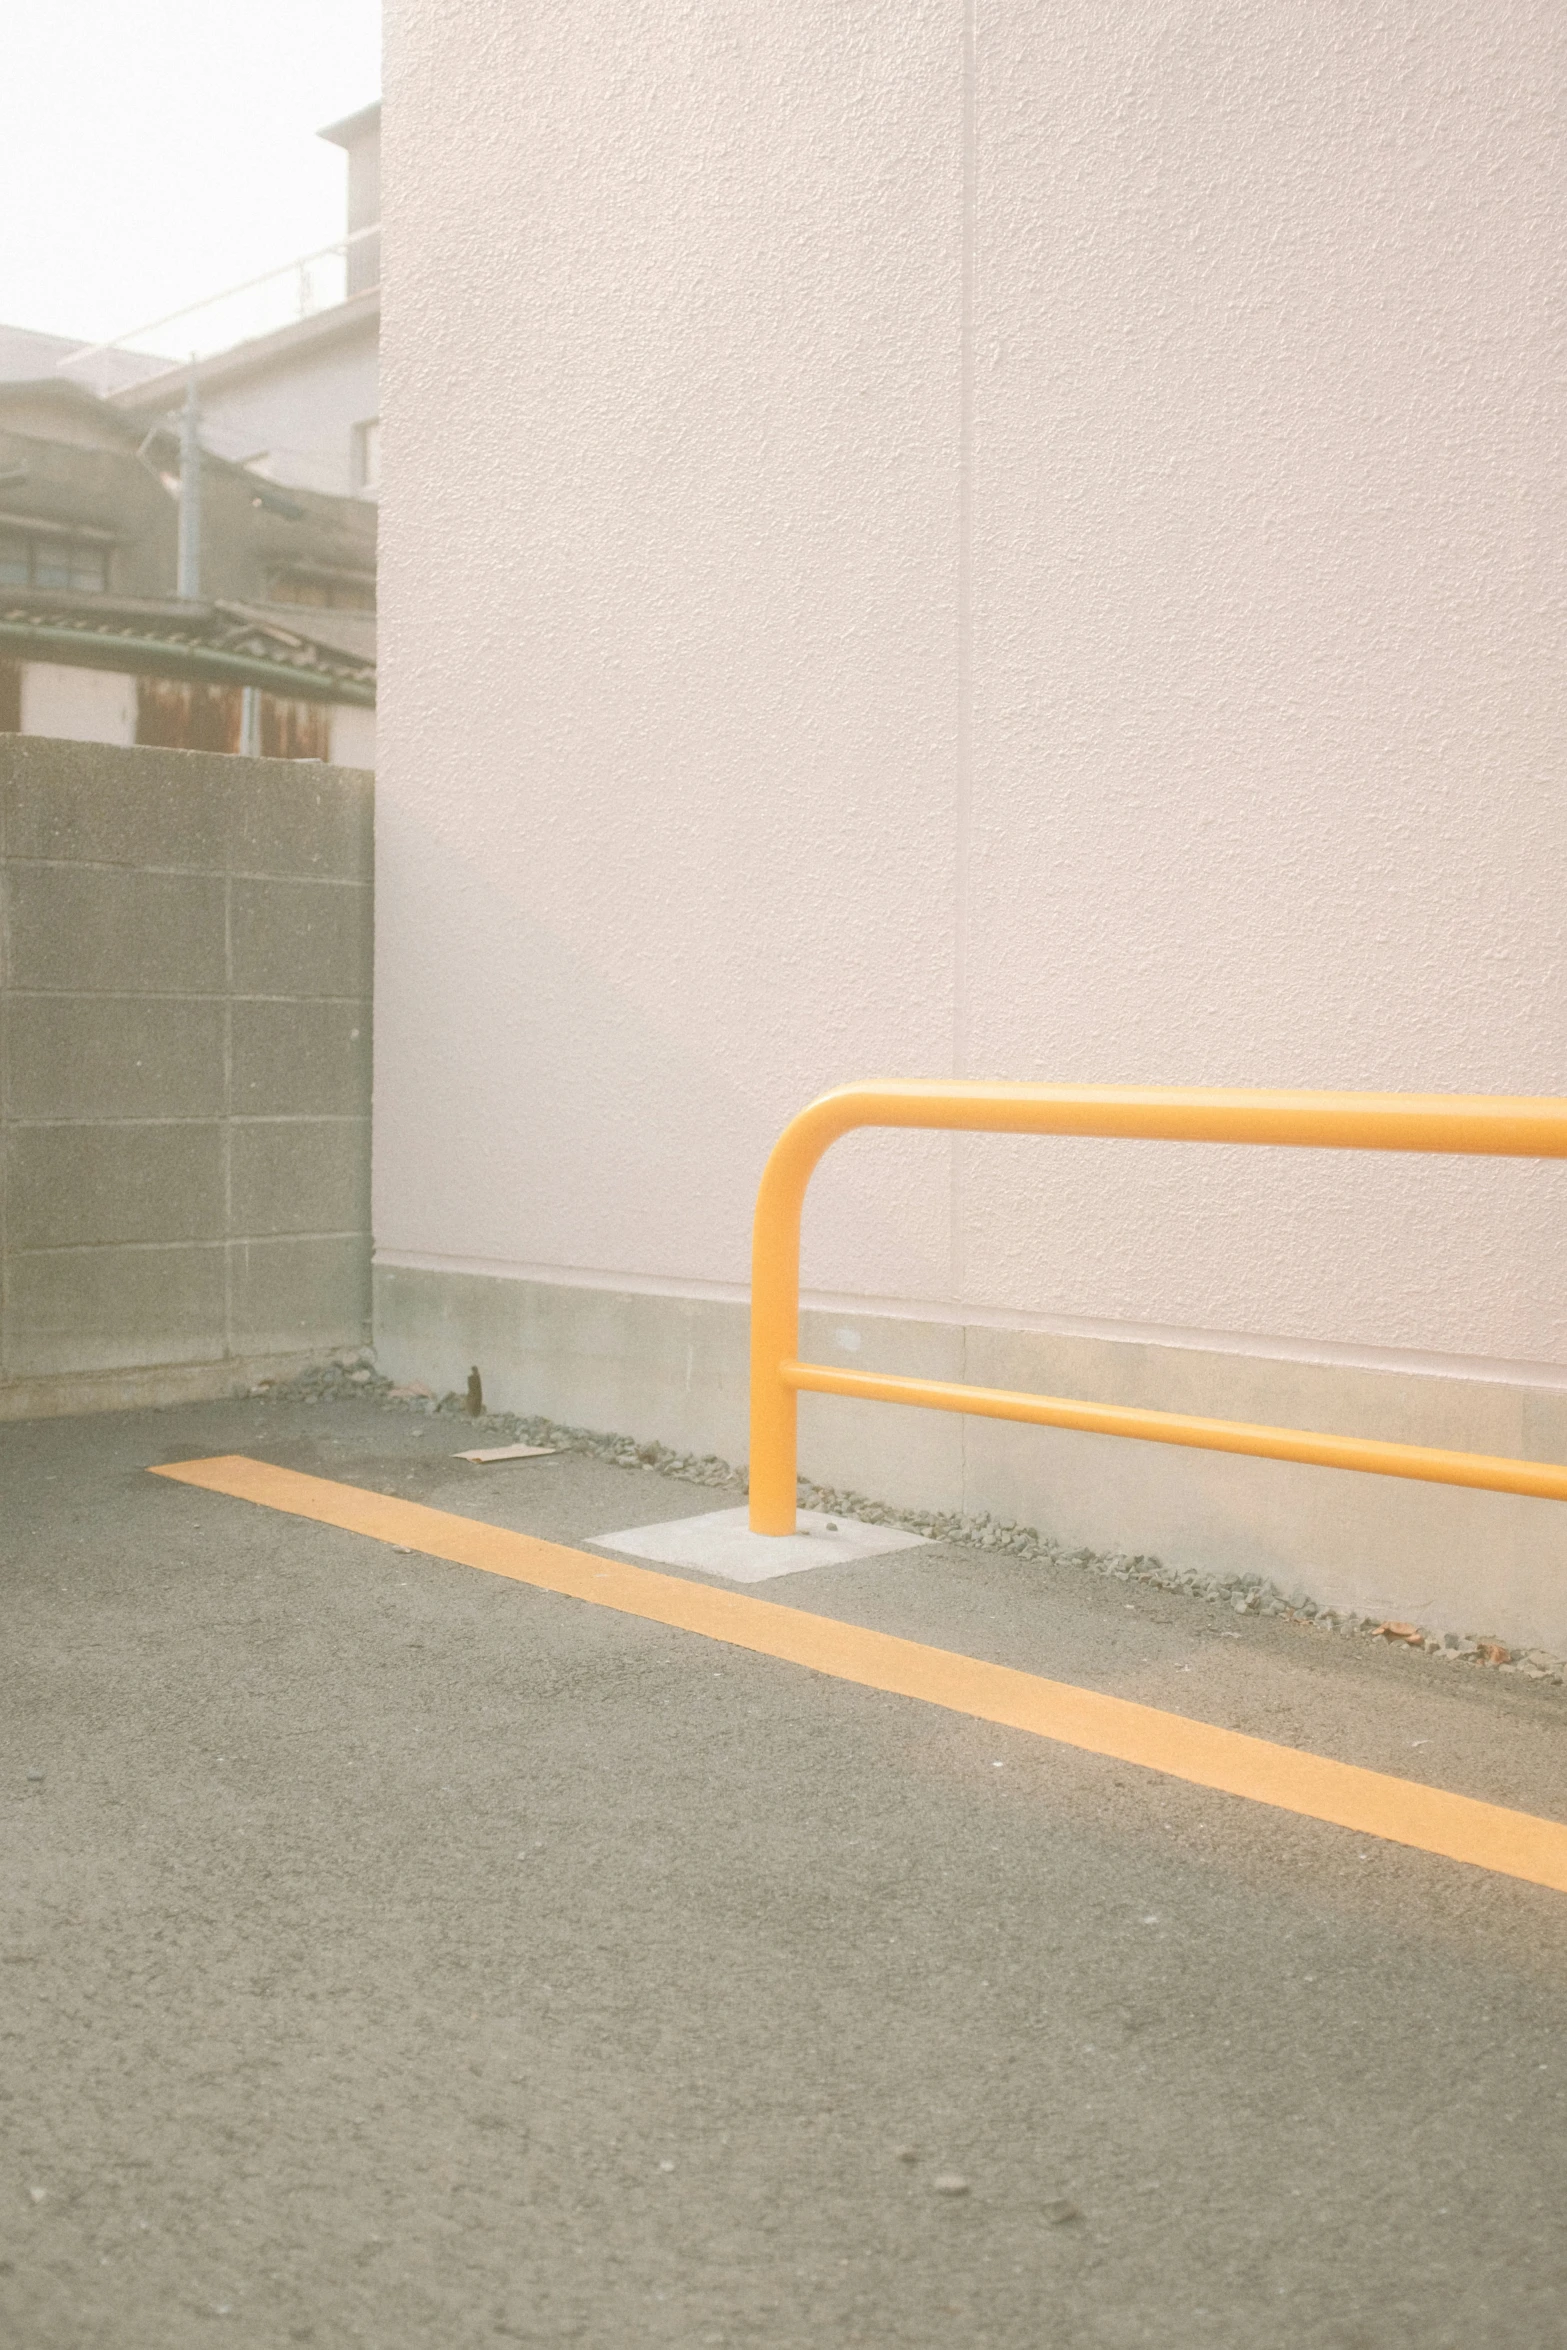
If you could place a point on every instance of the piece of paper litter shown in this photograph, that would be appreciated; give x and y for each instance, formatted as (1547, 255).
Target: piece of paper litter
(509, 1452)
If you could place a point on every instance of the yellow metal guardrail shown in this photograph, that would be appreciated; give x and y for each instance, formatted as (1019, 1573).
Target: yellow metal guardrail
(1470, 1125)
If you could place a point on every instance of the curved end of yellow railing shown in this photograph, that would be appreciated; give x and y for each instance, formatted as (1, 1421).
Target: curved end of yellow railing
(1469, 1125)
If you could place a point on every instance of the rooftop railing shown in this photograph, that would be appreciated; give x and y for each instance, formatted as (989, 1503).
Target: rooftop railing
(257, 306)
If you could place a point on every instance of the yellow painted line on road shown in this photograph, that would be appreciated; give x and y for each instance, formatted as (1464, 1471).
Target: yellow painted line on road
(1401, 1811)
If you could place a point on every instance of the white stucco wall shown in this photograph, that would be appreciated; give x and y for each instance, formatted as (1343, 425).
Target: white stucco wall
(78, 705)
(1031, 555)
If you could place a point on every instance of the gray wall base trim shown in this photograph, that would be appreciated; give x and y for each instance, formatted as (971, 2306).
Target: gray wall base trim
(674, 1369)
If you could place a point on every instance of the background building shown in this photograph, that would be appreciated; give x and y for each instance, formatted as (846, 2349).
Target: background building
(29, 357)
(300, 404)
(97, 646)
(1010, 542)
(273, 649)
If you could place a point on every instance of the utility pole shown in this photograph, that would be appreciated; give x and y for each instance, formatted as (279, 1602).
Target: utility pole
(188, 576)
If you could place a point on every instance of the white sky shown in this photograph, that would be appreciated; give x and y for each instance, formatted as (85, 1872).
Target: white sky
(154, 151)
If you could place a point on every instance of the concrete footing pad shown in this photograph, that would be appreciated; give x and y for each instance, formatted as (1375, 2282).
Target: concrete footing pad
(721, 1543)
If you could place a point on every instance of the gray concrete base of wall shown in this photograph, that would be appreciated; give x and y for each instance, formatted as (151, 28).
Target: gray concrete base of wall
(673, 1368)
(69, 1392)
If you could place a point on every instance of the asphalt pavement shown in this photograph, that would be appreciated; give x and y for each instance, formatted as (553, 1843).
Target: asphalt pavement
(395, 1955)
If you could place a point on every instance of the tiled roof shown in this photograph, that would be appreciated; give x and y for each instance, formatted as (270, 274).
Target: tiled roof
(346, 633)
(216, 643)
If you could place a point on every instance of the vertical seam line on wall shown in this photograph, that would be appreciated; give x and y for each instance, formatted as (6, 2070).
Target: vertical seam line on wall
(964, 743)
(965, 570)
(228, 1103)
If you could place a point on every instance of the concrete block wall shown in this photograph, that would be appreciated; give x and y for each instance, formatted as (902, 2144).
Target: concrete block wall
(185, 948)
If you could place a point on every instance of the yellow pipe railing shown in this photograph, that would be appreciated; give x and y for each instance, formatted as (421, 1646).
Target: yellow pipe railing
(1468, 1125)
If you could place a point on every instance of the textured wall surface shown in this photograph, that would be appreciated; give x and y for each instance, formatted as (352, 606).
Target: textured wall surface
(184, 1065)
(1021, 544)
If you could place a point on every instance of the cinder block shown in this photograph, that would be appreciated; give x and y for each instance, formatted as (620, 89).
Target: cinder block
(303, 1060)
(112, 1057)
(301, 938)
(113, 805)
(300, 1175)
(68, 1186)
(294, 816)
(291, 1294)
(98, 927)
(96, 1309)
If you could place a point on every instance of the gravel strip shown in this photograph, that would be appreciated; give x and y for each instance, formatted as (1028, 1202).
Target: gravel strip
(354, 1378)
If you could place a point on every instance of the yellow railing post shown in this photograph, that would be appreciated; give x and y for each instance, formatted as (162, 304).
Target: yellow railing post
(1470, 1125)
(775, 1317)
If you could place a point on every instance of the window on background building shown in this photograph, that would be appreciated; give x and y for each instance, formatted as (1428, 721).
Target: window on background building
(324, 591)
(49, 562)
(367, 454)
